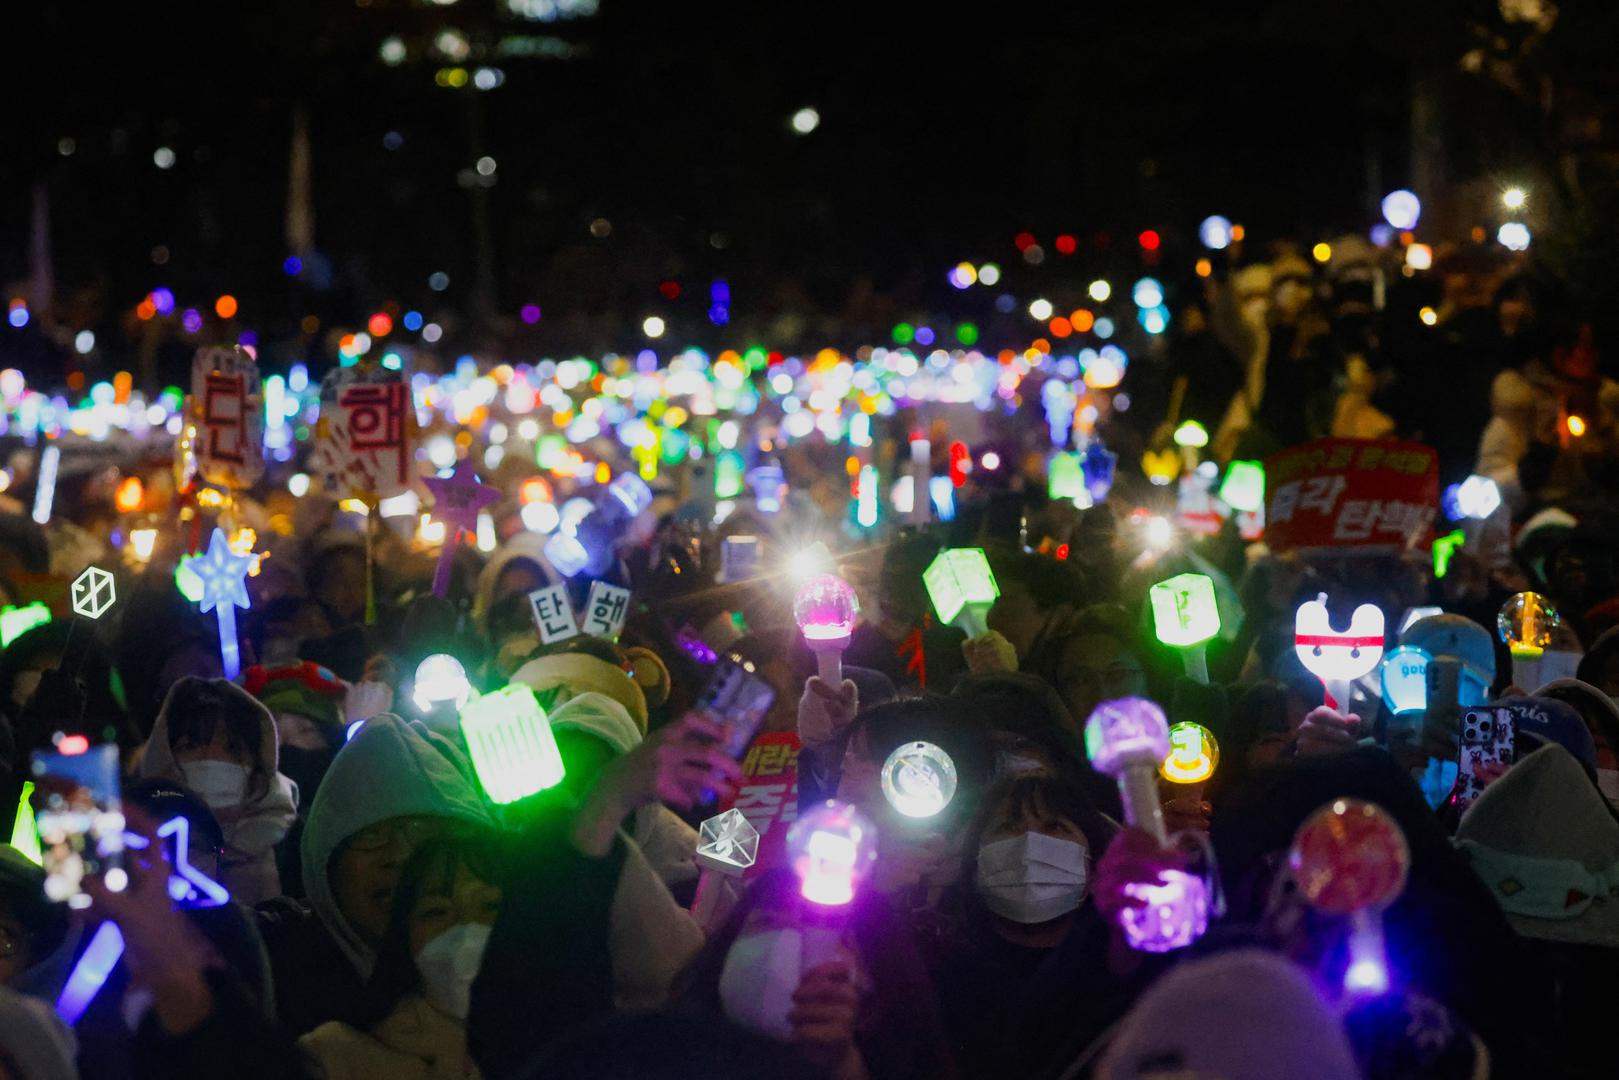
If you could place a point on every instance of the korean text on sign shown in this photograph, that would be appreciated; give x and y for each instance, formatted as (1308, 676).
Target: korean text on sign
(1351, 493)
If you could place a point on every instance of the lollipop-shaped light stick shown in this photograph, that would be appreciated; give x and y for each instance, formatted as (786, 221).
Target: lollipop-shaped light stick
(1127, 739)
(825, 609)
(919, 779)
(727, 844)
(1350, 858)
(1336, 657)
(1526, 623)
(1193, 756)
(1185, 615)
(223, 574)
(962, 588)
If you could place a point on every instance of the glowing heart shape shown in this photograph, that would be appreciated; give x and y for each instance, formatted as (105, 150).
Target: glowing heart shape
(1334, 655)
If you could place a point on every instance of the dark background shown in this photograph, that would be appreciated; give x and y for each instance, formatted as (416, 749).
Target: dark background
(945, 130)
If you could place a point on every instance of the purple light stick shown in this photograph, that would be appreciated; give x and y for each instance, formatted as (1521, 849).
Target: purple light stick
(457, 499)
(1127, 739)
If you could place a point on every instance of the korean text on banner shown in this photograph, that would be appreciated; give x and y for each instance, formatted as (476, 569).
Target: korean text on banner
(768, 796)
(1359, 494)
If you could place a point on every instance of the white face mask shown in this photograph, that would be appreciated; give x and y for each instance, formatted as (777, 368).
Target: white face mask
(449, 963)
(1032, 878)
(759, 978)
(219, 783)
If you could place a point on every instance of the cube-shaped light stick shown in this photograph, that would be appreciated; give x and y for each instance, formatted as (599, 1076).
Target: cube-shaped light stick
(727, 844)
(1128, 739)
(1185, 615)
(1244, 486)
(509, 739)
(1066, 478)
(962, 588)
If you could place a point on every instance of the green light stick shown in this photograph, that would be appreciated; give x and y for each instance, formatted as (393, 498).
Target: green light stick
(24, 831)
(1443, 548)
(962, 588)
(1244, 486)
(1066, 480)
(1185, 615)
(17, 621)
(510, 741)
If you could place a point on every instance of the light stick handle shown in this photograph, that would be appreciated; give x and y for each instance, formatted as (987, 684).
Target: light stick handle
(973, 620)
(820, 944)
(1189, 797)
(717, 894)
(1526, 671)
(829, 665)
(1368, 971)
(1138, 789)
(1338, 690)
(1195, 663)
(446, 560)
(921, 465)
(230, 654)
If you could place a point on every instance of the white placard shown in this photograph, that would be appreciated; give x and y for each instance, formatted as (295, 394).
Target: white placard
(553, 613)
(606, 610)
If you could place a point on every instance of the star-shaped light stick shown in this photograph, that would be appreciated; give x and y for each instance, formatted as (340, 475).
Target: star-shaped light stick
(223, 574)
(457, 498)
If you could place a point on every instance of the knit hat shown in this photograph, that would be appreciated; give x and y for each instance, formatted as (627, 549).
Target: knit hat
(1542, 839)
(601, 716)
(1246, 1014)
(578, 673)
(1597, 709)
(1541, 720)
(304, 688)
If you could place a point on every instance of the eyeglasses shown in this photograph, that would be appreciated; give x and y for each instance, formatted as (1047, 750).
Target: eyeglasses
(409, 831)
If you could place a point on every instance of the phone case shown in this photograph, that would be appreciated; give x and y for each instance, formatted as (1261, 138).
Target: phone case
(1487, 737)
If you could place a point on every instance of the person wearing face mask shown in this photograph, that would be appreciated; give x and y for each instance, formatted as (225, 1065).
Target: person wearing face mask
(863, 1010)
(214, 738)
(412, 1024)
(1024, 970)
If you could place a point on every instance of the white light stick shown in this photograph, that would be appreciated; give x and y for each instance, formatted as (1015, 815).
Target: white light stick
(1338, 658)
(921, 468)
(45, 485)
(727, 844)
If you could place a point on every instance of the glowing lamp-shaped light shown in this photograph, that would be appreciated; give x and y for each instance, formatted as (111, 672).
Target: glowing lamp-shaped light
(1191, 434)
(1337, 657)
(1526, 623)
(962, 588)
(831, 849)
(511, 745)
(1066, 478)
(1401, 209)
(825, 609)
(632, 493)
(1185, 616)
(1405, 680)
(919, 779)
(440, 680)
(1477, 497)
(1350, 859)
(130, 495)
(1193, 754)
(1244, 486)
(142, 542)
(566, 553)
(1128, 739)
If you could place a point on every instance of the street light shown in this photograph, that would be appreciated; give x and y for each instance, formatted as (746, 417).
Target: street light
(1514, 198)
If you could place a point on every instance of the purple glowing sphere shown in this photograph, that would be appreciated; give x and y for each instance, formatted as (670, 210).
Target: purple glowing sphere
(831, 848)
(825, 609)
(1125, 733)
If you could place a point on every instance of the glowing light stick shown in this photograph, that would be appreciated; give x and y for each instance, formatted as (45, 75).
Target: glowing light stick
(632, 493)
(1444, 547)
(1127, 739)
(921, 472)
(728, 475)
(24, 829)
(1193, 757)
(440, 680)
(1526, 623)
(1350, 858)
(45, 485)
(510, 741)
(90, 974)
(825, 609)
(1405, 680)
(962, 588)
(17, 621)
(831, 849)
(1100, 465)
(223, 575)
(1066, 477)
(919, 780)
(1185, 615)
(1191, 437)
(727, 844)
(1337, 658)
(457, 500)
(1244, 486)
(93, 593)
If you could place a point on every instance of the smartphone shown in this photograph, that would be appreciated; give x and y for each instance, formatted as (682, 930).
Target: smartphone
(739, 559)
(81, 821)
(737, 699)
(1487, 738)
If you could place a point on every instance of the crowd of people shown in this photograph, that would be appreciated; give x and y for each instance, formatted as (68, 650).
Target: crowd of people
(388, 918)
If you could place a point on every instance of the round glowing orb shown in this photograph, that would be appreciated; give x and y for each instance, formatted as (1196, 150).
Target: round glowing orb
(1514, 198)
(1514, 236)
(1193, 754)
(1526, 622)
(1215, 232)
(1349, 856)
(1125, 733)
(919, 779)
(831, 849)
(1401, 209)
(440, 680)
(805, 120)
(826, 608)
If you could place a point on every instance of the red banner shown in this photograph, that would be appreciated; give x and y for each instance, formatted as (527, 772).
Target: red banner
(1362, 494)
(768, 797)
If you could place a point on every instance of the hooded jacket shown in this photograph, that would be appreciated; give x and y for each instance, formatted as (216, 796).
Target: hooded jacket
(389, 769)
(255, 827)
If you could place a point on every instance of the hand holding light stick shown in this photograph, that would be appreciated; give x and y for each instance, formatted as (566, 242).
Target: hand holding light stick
(1526, 623)
(825, 609)
(1351, 859)
(962, 588)
(1335, 657)
(1185, 615)
(727, 844)
(1127, 739)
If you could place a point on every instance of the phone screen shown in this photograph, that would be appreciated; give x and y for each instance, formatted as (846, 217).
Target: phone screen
(737, 699)
(81, 821)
